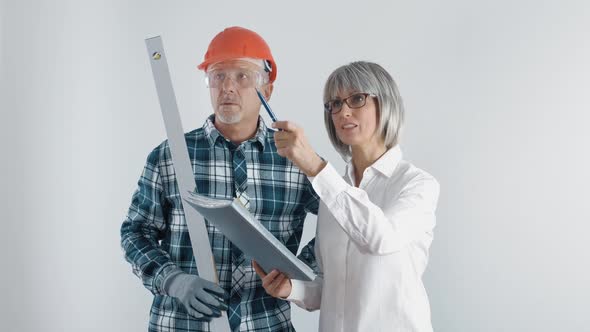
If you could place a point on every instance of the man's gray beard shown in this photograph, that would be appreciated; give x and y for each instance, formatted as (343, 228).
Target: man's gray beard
(228, 118)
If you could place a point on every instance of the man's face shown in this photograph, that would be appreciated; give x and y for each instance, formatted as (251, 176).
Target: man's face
(232, 86)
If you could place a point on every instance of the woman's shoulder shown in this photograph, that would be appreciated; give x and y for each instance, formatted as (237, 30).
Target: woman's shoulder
(407, 175)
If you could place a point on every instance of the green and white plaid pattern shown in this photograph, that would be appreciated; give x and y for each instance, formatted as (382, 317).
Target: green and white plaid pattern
(155, 237)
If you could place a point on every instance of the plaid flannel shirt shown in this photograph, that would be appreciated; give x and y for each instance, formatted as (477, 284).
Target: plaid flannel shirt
(155, 236)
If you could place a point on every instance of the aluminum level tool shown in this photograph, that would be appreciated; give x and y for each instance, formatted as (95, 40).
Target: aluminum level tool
(184, 172)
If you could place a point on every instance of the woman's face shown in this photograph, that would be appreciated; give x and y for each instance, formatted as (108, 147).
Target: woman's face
(357, 126)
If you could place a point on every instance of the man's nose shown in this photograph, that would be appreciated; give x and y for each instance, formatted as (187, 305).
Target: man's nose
(228, 84)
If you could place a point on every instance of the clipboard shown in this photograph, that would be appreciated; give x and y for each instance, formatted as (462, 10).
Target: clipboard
(248, 234)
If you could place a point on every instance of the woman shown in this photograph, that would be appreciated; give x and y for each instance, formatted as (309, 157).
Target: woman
(375, 224)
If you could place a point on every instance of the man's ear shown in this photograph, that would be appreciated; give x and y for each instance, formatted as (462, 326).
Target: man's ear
(268, 91)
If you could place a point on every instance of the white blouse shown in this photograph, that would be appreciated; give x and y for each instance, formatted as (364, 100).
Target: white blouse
(372, 248)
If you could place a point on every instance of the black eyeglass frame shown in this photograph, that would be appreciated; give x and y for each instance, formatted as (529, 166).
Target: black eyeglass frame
(328, 105)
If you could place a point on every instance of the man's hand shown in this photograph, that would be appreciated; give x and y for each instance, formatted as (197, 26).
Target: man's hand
(291, 143)
(200, 297)
(276, 284)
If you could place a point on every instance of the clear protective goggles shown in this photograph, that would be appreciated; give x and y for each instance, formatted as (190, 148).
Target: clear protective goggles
(241, 77)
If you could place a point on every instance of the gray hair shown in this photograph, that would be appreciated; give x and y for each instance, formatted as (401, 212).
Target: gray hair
(367, 77)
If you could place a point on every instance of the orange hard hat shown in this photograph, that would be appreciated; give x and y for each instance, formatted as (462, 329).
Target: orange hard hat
(235, 43)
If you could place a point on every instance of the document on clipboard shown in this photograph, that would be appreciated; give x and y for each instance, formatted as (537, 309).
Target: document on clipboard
(248, 234)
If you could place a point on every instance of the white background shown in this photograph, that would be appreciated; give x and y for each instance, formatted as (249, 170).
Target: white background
(496, 94)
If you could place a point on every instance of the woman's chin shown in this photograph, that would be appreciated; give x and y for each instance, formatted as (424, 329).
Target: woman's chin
(350, 139)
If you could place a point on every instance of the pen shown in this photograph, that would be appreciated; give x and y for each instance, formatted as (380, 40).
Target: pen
(266, 106)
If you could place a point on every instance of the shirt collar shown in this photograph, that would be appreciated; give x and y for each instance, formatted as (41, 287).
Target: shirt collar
(385, 165)
(388, 161)
(213, 134)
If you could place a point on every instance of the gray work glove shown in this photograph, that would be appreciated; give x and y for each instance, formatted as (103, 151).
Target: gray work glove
(201, 298)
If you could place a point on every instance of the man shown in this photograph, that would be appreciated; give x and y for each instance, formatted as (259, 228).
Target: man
(233, 155)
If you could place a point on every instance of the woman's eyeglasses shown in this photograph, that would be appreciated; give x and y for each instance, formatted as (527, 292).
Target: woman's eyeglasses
(356, 100)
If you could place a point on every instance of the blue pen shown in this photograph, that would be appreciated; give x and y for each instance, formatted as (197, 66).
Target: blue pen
(266, 106)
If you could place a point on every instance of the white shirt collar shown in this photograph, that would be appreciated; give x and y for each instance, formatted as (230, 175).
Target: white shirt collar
(385, 165)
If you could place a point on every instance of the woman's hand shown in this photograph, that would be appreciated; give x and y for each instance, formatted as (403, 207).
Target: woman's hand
(276, 284)
(291, 143)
